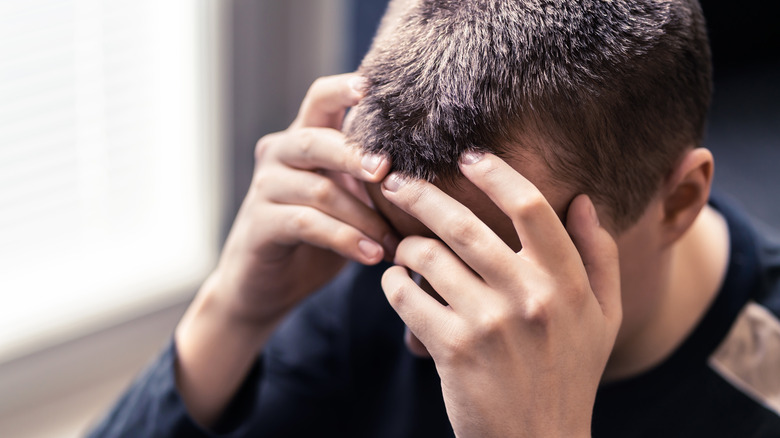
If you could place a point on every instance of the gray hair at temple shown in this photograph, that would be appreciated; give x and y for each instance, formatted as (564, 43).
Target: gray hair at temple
(608, 93)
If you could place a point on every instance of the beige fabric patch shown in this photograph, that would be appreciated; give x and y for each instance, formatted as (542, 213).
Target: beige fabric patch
(749, 357)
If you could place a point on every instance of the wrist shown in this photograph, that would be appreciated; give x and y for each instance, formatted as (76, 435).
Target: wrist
(220, 312)
(215, 351)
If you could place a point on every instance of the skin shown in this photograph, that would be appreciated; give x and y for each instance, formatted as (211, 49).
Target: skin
(672, 260)
(539, 317)
(530, 306)
(302, 213)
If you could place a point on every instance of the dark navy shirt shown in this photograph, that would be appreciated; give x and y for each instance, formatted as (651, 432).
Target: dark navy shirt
(338, 367)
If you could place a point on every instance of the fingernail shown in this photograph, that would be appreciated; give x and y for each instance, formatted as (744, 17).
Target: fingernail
(371, 162)
(471, 157)
(359, 84)
(393, 182)
(369, 249)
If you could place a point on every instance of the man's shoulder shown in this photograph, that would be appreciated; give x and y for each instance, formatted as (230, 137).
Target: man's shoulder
(755, 245)
(748, 358)
(768, 248)
(764, 247)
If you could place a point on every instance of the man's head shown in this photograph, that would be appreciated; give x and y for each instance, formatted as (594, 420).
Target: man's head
(606, 94)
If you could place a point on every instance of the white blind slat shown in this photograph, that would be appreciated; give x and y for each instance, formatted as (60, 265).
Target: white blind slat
(104, 204)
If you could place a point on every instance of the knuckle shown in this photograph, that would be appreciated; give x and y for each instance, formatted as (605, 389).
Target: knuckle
(313, 90)
(317, 84)
(318, 90)
(459, 348)
(321, 192)
(530, 205)
(300, 221)
(262, 146)
(492, 323)
(261, 180)
(487, 330)
(397, 295)
(575, 288)
(463, 230)
(427, 254)
(342, 238)
(305, 142)
(537, 312)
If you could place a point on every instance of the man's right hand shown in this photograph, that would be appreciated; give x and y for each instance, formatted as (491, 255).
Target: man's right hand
(305, 211)
(305, 214)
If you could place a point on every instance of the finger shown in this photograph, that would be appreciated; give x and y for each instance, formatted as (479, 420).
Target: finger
(350, 184)
(323, 148)
(327, 100)
(443, 270)
(599, 255)
(300, 224)
(541, 232)
(473, 241)
(414, 345)
(426, 318)
(310, 189)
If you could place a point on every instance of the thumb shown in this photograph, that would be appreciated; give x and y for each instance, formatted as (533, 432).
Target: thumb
(599, 255)
(328, 99)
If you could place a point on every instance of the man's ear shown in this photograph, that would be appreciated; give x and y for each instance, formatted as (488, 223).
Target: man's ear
(685, 192)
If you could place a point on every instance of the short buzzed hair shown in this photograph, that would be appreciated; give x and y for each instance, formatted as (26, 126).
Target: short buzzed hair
(608, 93)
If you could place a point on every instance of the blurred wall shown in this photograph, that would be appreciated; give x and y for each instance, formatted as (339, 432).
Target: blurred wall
(744, 124)
(278, 49)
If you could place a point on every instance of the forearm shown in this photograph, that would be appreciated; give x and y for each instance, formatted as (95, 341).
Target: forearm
(214, 354)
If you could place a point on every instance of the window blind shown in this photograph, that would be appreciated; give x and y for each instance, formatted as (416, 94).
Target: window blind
(108, 175)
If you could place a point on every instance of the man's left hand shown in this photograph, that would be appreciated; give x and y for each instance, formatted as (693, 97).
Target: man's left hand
(523, 338)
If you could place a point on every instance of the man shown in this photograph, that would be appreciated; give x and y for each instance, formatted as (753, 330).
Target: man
(558, 259)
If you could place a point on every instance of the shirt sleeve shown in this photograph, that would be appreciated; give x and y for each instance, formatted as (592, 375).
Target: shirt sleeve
(151, 407)
(298, 387)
